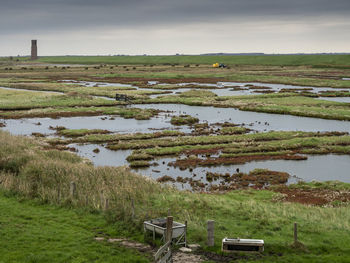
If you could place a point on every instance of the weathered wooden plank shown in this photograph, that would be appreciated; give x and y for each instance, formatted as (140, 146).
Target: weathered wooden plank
(210, 233)
(162, 250)
(166, 258)
(169, 228)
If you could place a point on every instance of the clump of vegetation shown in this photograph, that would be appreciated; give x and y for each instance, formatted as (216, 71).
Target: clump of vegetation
(136, 156)
(233, 130)
(258, 178)
(80, 132)
(139, 164)
(183, 120)
(165, 179)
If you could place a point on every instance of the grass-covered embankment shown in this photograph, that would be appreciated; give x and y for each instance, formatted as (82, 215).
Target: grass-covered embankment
(32, 231)
(104, 91)
(127, 113)
(26, 100)
(46, 175)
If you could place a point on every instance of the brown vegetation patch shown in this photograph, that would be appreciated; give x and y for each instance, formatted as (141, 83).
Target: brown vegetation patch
(96, 150)
(165, 179)
(203, 151)
(258, 179)
(295, 89)
(257, 87)
(313, 196)
(37, 134)
(238, 88)
(264, 91)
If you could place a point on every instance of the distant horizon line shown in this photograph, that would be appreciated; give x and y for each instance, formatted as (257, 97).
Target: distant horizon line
(204, 54)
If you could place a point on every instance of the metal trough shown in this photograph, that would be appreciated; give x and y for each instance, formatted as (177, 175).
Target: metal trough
(158, 226)
(237, 244)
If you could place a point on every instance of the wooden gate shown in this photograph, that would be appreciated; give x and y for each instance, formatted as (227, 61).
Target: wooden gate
(163, 255)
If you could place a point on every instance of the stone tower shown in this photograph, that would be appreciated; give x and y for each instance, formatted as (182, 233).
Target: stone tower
(34, 53)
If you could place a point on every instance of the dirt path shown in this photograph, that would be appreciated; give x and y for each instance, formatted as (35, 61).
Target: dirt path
(178, 256)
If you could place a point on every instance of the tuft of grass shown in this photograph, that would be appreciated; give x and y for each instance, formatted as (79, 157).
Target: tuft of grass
(198, 93)
(80, 132)
(233, 130)
(183, 120)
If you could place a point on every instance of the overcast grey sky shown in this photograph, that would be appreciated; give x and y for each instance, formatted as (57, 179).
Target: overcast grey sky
(102, 27)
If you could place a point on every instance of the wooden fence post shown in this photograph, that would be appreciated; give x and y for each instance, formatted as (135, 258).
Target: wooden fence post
(295, 232)
(169, 228)
(186, 233)
(210, 233)
(72, 189)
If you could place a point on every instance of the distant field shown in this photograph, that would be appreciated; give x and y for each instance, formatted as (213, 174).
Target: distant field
(282, 60)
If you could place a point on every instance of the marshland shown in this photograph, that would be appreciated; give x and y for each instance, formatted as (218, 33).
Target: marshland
(255, 146)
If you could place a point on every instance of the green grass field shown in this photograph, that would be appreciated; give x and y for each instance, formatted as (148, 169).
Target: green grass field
(278, 60)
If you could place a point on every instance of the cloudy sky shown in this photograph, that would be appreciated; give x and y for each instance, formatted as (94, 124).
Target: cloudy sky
(103, 27)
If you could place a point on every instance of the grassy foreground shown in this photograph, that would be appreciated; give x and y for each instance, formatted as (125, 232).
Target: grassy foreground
(33, 232)
(45, 175)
